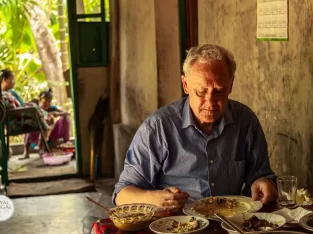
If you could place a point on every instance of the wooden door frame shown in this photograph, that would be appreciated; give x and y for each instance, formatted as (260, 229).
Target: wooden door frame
(192, 23)
(188, 26)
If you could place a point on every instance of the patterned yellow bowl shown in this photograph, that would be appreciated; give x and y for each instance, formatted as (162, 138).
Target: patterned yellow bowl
(132, 217)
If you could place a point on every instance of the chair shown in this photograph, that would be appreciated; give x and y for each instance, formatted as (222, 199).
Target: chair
(27, 127)
(33, 124)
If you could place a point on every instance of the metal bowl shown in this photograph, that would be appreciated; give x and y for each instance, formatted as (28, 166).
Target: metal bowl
(133, 217)
(307, 222)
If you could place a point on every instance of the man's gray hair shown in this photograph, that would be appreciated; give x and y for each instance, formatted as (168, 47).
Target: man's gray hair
(208, 53)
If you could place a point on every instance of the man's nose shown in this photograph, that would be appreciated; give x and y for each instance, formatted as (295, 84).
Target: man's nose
(209, 97)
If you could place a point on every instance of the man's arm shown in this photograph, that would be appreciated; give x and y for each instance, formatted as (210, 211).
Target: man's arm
(141, 164)
(137, 183)
(171, 198)
(133, 194)
(258, 165)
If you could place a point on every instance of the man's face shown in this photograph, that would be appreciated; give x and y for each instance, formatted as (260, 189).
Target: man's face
(208, 86)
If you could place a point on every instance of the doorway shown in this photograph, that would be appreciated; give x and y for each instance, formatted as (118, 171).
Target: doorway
(62, 29)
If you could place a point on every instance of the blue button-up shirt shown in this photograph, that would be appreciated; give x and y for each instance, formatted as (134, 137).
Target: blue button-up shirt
(169, 150)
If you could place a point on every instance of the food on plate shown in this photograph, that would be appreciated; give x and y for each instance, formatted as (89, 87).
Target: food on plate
(226, 202)
(178, 227)
(256, 224)
(225, 206)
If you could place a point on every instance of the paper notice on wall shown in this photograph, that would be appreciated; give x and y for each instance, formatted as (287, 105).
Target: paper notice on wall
(272, 20)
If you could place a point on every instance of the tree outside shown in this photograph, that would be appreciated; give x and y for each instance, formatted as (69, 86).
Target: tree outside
(34, 44)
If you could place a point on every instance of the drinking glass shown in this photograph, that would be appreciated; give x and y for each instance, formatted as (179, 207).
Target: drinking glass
(287, 191)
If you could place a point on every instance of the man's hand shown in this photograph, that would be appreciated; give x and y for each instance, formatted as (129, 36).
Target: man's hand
(264, 190)
(172, 199)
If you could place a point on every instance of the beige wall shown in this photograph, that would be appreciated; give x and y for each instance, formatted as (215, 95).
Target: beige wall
(273, 78)
(149, 57)
(138, 61)
(149, 68)
(149, 65)
(92, 83)
(168, 51)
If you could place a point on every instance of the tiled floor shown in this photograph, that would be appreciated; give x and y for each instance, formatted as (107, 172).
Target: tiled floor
(66, 214)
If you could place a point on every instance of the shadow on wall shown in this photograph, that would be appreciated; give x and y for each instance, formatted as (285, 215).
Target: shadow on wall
(123, 135)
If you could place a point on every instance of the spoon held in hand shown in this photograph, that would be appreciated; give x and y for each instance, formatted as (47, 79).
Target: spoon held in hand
(98, 204)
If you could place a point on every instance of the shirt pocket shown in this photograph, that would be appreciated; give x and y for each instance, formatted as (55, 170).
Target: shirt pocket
(236, 174)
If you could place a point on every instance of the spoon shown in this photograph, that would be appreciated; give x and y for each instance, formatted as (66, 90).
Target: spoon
(229, 223)
(106, 209)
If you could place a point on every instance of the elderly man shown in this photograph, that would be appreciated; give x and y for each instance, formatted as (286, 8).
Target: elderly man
(202, 145)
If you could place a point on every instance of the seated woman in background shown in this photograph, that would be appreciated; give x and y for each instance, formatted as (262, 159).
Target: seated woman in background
(60, 130)
(10, 97)
(12, 100)
(7, 86)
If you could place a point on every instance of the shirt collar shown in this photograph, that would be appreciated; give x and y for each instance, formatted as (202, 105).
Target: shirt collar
(187, 118)
(187, 115)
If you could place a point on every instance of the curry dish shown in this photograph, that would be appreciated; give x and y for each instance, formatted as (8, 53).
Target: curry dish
(226, 202)
(256, 224)
(225, 206)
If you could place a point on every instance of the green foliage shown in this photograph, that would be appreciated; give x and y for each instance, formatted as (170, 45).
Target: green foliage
(17, 46)
(94, 7)
(18, 51)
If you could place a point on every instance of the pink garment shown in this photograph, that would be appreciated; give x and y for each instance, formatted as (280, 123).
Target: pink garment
(61, 129)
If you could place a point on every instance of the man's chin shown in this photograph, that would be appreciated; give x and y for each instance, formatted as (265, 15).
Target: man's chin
(209, 119)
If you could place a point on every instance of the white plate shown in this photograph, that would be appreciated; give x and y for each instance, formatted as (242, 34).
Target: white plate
(238, 219)
(293, 216)
(253, 206)
(161, 226)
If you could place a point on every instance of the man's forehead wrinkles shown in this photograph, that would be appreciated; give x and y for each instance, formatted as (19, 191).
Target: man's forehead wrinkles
(208, 84)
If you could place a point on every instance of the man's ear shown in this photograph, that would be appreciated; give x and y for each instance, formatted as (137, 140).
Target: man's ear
(231, 85)
(185, 84)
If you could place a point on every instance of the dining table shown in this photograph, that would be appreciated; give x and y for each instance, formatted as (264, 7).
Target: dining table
(105, 226)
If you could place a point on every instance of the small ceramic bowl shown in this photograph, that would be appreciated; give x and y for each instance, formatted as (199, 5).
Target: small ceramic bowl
(239, 219)
(133, 217)
(162, 226)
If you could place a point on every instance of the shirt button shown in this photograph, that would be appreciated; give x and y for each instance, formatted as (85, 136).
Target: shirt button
(211, 161)
(212, 184)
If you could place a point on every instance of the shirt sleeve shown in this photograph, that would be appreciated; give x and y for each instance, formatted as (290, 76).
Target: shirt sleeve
(258, 164)
(142, 161)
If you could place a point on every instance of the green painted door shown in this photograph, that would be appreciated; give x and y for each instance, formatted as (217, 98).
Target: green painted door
(89, 42)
